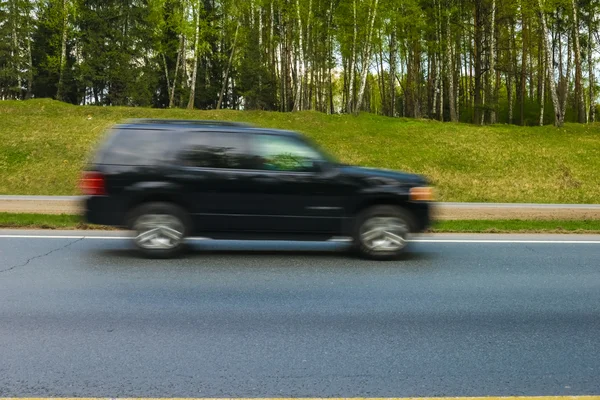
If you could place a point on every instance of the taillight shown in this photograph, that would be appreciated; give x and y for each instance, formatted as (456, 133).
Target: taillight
(92, 184)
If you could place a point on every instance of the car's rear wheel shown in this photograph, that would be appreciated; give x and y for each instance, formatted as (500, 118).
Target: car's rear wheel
(160, 229)
(382, 232)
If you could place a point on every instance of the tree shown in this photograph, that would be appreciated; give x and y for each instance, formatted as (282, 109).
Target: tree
(558, 113)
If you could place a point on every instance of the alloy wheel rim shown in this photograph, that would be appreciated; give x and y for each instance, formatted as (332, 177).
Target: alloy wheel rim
(384, 234)
(158, 231)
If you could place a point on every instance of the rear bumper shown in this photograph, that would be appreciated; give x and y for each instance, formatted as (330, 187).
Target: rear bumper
(103, 210)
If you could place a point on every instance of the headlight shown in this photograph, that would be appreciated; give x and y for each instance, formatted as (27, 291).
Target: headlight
(421, 194)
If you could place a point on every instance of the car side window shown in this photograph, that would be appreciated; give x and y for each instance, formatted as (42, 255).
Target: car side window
(281, 153)
(227, 150)
(135, 147)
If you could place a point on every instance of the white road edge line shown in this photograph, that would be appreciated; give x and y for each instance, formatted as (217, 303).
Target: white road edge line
(493, 241)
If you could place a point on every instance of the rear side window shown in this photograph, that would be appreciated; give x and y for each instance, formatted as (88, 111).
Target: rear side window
(136, 147)
(215, 150)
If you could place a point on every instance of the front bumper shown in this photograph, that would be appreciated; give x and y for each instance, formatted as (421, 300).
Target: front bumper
(422, 215)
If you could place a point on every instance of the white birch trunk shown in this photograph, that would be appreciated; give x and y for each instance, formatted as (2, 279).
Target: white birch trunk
(306, 67)
(563, 104)
(166, 68)
(352, 64)
(449, 69)
(14, 52)
(543, 90)
(298, 104)
(366, 60)
(179, 55)
(509, 83)
(558, 117)
(226, 77)
(190, 104)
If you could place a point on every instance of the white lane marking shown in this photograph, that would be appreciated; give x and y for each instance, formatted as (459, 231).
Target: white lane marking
(467, 241)
(62, 237)
(505, 241)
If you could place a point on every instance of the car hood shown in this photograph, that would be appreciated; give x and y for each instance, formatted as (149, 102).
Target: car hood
(399, 176)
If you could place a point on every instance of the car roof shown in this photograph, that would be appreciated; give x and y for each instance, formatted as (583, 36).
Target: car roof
(189, 125)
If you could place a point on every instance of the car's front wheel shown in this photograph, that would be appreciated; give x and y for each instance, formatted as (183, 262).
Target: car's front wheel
(160, 229)
(382, 232)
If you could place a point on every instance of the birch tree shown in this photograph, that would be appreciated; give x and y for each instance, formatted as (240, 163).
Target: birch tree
(558, 112)
(366, 57)
(196, 12)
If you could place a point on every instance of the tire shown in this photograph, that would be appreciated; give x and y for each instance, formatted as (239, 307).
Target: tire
(160, 229)
(381, 232)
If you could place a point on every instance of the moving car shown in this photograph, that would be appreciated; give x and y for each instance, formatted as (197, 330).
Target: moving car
(171, 179)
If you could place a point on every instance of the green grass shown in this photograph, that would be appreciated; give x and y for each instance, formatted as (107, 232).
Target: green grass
(518, 226)
(44, 221)
(44, 144)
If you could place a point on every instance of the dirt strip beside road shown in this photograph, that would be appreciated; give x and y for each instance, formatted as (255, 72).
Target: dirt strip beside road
(443, 211)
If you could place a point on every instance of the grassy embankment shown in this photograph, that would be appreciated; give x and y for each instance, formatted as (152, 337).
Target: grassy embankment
(44, 144)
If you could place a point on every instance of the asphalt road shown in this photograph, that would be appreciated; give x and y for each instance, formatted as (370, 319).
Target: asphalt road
(463, 316)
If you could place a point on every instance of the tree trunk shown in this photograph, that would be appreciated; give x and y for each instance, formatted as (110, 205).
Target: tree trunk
(524, 68)
(226, 77)
(509, 74)
(441, 63)
(565, 93)
(477, 49)
(366, 60)
(381, 73)
(63, 53)
(300, 63)
(190, 104)
(558, 117)
(166, 69)
(179, 53)
(542, 86)
(592, 112)
(580, 102)
(492, 70)
(448, 72)
(352, 64)
(330, 58)
(29, 93)
(14, 52)
(392, 88)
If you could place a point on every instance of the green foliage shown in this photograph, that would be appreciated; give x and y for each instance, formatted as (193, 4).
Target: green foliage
(143, 52)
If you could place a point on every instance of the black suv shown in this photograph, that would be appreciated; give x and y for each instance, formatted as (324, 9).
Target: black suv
(169, 179)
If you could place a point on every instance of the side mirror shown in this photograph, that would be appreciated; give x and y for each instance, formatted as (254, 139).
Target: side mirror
(325, 168)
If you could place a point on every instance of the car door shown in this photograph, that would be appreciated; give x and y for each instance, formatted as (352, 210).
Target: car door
(289, 191)
(211, 170)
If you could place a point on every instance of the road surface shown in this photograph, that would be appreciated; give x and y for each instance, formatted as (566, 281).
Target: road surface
(460, 316)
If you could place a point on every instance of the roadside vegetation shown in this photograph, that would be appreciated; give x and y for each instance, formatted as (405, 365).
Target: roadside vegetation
(69, 222)
(44, 145)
